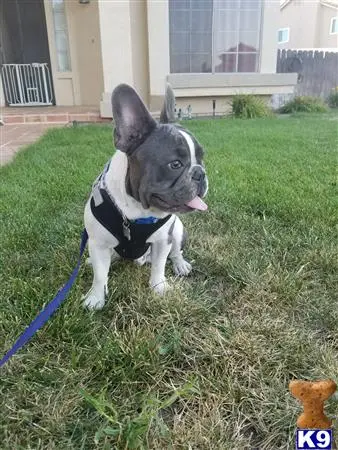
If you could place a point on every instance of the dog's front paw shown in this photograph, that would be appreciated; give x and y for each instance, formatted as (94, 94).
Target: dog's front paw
(182, 268)
(93, 301)
(160, 288)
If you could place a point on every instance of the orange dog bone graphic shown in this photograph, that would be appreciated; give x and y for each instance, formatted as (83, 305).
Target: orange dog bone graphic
(313, 394)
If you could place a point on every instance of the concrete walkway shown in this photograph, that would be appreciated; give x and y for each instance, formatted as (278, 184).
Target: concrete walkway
(23, 126)
(13, 137)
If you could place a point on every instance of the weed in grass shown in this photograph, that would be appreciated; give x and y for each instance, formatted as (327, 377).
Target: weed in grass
(245, 106)
(304, 104)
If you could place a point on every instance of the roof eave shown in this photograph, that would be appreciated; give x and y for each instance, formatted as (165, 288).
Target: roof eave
(285, 3)
(333, 5)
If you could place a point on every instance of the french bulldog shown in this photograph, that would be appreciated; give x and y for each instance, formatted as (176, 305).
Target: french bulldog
(156, 172)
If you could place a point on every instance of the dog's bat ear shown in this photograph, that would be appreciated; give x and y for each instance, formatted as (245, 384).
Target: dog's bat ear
(168, 110)
(132, 120)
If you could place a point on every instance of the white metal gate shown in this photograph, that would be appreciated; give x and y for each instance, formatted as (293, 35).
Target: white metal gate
(27, 84)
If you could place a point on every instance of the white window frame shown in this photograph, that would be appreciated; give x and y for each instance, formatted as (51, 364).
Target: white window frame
(334, 19)
(288, 35)
(62, 11)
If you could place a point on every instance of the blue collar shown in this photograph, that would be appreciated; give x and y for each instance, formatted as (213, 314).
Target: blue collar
(146, 220)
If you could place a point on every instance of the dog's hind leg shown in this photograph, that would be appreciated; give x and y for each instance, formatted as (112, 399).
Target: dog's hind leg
(180, 265)
(100, 259)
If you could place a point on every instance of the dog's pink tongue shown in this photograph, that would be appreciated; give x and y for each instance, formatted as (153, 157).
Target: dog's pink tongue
(197, 203)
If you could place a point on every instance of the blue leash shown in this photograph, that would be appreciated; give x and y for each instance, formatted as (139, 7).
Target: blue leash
(49, 309)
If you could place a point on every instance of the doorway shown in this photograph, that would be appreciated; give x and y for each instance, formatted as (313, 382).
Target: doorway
(24, 53)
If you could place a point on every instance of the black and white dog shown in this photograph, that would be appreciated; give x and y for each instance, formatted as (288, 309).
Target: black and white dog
(156, 172)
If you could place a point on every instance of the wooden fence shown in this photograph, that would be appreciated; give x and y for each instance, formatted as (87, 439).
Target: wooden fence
(317, 71)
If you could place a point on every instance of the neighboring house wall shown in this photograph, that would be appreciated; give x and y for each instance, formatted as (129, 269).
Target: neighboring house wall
(324, 38)
(300, 17)
(308, 23)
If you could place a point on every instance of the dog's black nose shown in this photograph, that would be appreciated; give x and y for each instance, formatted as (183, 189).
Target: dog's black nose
(198, 173)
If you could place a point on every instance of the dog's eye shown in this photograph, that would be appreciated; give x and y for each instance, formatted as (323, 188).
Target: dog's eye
(175, 164)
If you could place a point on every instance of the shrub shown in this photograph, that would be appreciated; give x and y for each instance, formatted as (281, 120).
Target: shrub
(333, 98)
(303, 104)
(249, 107)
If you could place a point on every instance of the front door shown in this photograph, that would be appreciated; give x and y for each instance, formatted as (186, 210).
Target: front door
(24, 53)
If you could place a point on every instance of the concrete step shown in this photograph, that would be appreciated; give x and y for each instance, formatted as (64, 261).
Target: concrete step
(49, 117)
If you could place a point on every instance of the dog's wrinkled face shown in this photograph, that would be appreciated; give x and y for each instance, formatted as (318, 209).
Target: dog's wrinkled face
(166, 171)
(165, 162)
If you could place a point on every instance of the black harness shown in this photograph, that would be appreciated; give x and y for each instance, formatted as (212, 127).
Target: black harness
(132, 235)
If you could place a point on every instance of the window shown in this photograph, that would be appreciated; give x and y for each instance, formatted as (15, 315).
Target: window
(61, 36)
(334, 25)
(283, 35)
(214, 35)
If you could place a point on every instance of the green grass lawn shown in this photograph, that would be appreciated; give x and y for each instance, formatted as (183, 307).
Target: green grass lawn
(207, 366)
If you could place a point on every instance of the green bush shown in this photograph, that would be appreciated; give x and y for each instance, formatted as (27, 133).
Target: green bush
(303, 104)
(249, 107)
(333, 98)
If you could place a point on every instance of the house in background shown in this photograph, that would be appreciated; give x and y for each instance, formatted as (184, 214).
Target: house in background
(208, 50)
(306, 24)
